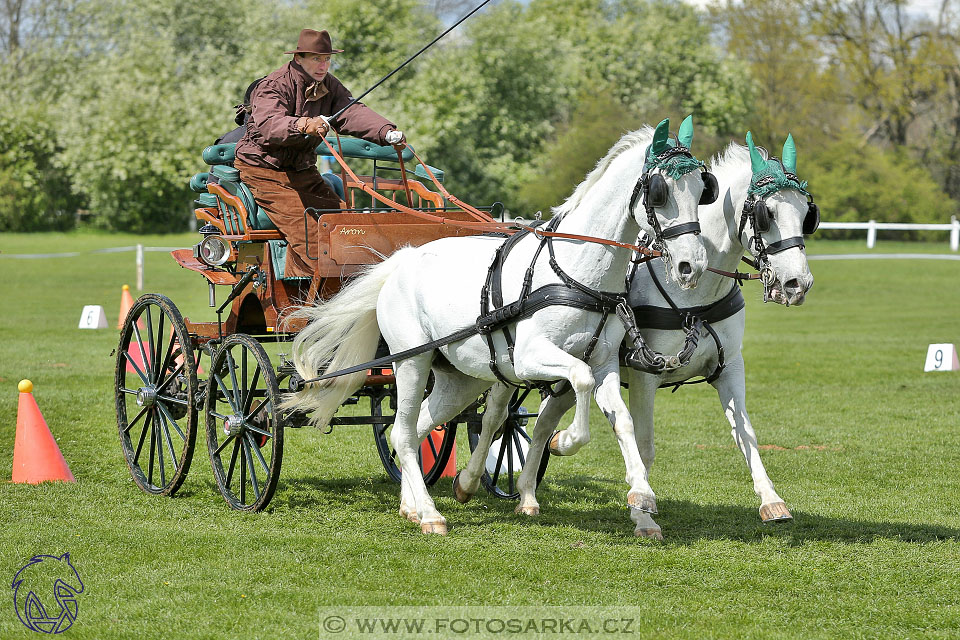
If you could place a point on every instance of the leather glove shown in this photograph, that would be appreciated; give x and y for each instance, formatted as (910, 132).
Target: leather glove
(395, 137)
(318, 126)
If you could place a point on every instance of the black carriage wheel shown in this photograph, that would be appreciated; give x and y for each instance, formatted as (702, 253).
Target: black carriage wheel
(244, 429)
(156, 399)
(388, 456)
(503, 482)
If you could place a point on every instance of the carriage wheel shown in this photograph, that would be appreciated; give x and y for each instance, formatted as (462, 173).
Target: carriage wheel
(156, 387)
(440, 452)
(244, 430)
(508, 452)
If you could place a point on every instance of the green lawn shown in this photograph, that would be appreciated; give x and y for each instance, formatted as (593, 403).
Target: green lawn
(863, 451)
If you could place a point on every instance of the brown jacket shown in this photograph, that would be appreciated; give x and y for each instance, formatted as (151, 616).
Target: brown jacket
(272, 140)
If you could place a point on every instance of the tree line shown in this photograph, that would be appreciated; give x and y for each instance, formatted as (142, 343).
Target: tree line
(107, 104)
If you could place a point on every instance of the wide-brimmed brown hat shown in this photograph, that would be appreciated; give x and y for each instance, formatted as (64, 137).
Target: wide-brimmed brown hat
(314, 42)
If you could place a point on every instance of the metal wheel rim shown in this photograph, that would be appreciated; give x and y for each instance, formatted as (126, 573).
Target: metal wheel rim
(504, 480)
(388, 455)
(242, 390)
(156, 402)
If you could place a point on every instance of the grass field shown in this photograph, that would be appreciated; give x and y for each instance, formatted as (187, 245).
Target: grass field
(860, 443)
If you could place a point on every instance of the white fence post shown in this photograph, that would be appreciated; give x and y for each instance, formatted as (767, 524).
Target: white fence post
(139, 267)
(954, 234)
(871, 234)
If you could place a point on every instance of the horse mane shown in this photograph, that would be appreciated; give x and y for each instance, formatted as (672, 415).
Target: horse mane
(631, 140)
(732, 165)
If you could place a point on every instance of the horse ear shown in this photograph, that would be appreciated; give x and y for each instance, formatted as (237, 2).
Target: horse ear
(685, 135)
(757, 163)
(790, 154)
(660, 136)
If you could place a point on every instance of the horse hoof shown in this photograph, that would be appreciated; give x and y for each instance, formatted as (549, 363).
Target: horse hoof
(554, 444)
(439, 528)
(409, 514)
(459, 494)
(527, 511)
(648, 533)
(775, 512)
(647, 504)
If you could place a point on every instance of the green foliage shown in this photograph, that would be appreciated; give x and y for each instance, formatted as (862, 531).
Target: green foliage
(887, 186)
(34, 194)
(599, 121)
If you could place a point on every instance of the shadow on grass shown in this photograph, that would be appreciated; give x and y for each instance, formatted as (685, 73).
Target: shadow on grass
(592, 504)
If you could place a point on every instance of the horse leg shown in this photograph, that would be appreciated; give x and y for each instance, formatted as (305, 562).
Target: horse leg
(731, 388)
(643, 389)
(551, 410)
(580, 376)
(640, 498)
(452, 392)
(412, 377)
(467, 482)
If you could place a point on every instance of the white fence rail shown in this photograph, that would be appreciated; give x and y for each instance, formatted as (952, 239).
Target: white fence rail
(873, 226)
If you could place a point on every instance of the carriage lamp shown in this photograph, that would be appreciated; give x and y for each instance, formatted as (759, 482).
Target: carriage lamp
(209, 229)
(213, 250)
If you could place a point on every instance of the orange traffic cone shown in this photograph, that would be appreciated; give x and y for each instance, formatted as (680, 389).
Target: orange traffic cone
(426, 454)
(126, 301)
(36, 456)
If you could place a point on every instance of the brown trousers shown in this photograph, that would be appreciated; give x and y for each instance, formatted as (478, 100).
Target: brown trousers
(284, 195)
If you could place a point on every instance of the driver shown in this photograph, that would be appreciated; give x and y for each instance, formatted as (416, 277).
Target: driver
(277, 156)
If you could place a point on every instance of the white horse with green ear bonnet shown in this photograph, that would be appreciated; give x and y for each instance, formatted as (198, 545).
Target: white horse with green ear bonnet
(764, 208)
(420, 295)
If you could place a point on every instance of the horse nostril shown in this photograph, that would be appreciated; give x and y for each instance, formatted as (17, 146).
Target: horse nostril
(685, 268)
(792, 285)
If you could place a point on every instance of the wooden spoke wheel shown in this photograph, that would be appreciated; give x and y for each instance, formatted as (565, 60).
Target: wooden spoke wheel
(436, 448)
(156, 389)
(508, 452)
(244, 425)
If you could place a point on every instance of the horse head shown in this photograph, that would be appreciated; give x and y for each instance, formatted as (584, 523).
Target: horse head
(672, 186)
(777, 213)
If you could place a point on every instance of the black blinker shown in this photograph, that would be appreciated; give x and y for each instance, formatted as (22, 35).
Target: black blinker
(655, 189)
(811, 222)
(761, 216)
(711, 189)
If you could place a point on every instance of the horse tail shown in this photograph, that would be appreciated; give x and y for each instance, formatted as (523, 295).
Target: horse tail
(341, 332)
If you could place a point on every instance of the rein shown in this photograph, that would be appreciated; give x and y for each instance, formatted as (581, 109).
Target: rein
(481, 221)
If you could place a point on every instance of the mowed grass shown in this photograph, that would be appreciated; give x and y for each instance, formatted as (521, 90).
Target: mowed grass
(859, 441)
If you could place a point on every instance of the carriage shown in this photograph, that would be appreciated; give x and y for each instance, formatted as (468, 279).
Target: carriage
(171, 370)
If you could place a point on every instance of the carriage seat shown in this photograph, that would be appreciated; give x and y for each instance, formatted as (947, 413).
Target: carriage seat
(220, 157)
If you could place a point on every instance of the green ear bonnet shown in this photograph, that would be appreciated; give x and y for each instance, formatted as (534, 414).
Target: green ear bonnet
(770, 176)
(672, 157)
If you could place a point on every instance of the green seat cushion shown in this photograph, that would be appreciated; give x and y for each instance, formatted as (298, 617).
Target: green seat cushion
(206, 200)
(335, 182)
(357, 148)
(198, 183)
(225, 173)
(219, 153)
(421, 173)
(278, 258)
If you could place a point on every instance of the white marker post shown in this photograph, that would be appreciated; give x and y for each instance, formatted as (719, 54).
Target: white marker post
(942, 357)
(93, 317)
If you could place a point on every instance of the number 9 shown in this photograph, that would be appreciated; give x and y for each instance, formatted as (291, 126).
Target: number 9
(938, 356)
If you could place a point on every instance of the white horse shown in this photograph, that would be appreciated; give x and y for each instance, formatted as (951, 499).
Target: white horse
(778, 214)
(422, 294)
